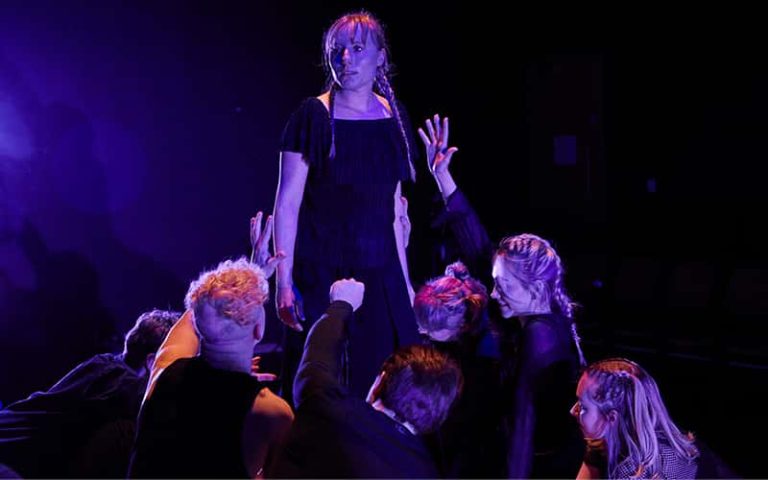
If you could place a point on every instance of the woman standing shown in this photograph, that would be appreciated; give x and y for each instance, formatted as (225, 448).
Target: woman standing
(344, 155)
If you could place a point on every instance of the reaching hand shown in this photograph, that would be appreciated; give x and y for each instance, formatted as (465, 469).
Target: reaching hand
(348, 290)
(438, 153)
(260, 240)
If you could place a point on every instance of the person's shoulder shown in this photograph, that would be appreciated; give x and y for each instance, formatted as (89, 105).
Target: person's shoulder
(314, 107)
(324, 100)
(267, 405)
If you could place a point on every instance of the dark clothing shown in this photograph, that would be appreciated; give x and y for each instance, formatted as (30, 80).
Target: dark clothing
(471, 240)
(345, 229)
(544, 440)
(192, 425)
(335, 433)
(51, 433)
(470, 443)
(541, 364)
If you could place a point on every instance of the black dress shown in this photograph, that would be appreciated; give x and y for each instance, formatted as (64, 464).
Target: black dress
(345, 229)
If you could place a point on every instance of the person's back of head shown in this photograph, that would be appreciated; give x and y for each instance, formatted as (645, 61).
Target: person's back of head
(147, 335)
(419, 384)
(450, 307)
(228, 302)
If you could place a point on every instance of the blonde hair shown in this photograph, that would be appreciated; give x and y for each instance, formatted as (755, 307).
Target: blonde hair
(531, 259)
(234, 289)
(642, 419)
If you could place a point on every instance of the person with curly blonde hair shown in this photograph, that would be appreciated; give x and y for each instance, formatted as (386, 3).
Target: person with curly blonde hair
(204, 413)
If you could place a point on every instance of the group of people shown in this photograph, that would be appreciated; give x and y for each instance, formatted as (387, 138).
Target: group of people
(378, 380)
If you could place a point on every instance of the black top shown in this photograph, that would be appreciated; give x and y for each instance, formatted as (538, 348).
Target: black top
(545, 370)
(347, 210)
(470, 443)
(336, 434)
(192, 425)
(541, 365)
(45, 434)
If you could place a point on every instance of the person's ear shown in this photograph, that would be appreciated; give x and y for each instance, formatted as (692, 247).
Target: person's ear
(613, 416)
(381, 58)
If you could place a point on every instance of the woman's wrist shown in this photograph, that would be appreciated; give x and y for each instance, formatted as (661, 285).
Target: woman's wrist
(445, 183)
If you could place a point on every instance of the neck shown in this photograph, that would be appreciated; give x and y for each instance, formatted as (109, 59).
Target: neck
(358, 100)
(525, 316)
(378, 405)
(227, 356)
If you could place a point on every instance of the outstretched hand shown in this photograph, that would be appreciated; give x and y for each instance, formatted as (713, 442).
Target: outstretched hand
(436, 142)
(260, 240)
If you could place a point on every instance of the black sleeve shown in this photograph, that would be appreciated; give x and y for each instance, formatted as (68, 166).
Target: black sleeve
(320, 364)
(308, 132)
(469, 233)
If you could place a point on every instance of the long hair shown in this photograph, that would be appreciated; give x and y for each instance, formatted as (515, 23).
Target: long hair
(532, 260)
(642, 419)
(370, 28)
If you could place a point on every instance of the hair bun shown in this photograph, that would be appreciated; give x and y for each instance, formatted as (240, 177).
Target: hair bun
(458, 271)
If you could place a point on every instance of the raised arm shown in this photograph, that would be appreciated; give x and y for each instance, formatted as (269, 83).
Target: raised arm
(462, 220)
(320, 364)
(181, 342)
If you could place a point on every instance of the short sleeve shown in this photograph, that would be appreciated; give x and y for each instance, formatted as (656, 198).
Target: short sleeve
(308, 131)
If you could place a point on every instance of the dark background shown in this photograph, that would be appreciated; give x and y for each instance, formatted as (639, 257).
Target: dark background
(137, 138)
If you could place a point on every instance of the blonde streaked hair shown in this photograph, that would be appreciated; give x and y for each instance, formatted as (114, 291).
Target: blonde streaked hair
(234, 289)
(531, 259)
(641, 418)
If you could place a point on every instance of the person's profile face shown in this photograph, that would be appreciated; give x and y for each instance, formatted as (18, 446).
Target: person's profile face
(513, 297)
(592, 422)
(354, 57)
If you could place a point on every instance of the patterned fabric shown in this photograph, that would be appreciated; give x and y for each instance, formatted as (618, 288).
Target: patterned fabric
(672, 466)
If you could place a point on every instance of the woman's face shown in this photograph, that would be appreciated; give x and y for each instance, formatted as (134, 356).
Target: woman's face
(354, 58)
(513, 296)
(592, 422)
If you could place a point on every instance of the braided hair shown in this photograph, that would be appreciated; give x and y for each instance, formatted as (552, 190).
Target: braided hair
(536, 260)
(370, 27)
